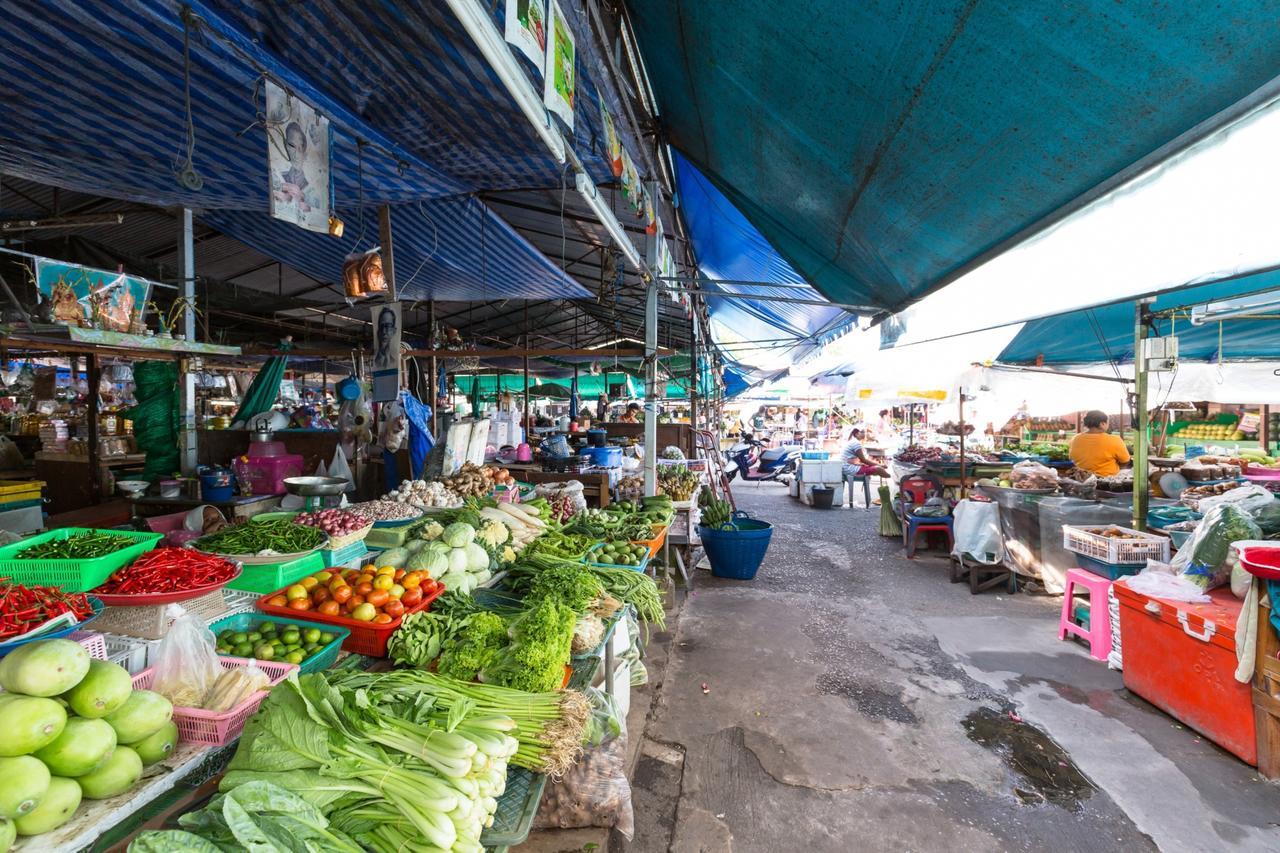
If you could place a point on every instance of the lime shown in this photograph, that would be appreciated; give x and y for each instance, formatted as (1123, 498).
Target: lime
(290, 636)
(326, 637)
(266, 651)
(312, 635)
(292, 648)
(294, 657)
(239, 637)
(253, 637)
(244, 650)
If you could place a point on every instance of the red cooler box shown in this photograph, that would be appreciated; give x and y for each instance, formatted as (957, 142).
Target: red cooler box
(1181, 658)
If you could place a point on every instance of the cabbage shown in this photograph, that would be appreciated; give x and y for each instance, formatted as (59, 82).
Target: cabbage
(458, 560)
(458, 534)
(432, 562)
(477, 558)
(438, 547)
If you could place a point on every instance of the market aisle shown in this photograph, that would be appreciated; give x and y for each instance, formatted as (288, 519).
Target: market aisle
(857, 700)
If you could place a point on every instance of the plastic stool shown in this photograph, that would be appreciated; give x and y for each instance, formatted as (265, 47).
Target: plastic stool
(1099, 631)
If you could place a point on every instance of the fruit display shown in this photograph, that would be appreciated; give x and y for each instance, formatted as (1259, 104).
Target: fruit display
(377, 594)
(1051, 425)
(274, 641)
(1211, 431)
(452, 554)
(71, 729)
(619, 554)
(678, 482)
(914, 454)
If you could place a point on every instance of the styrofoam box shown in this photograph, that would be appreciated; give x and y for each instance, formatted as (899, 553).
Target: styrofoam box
(821, 471)
(25, 520)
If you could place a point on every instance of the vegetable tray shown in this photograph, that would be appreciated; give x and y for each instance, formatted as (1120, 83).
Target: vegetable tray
(516, 809)
(213, 728)
(72, 575)
(265, 577)
(321, 660)
(274, 516)
(337, 543)
(389, 537)
(644, 564)
(656, 541)
(151, 622)
(10, 645)
(262, 559)
(366, 638)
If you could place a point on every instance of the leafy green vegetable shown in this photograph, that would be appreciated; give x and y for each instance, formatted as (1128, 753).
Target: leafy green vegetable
(477, 646)
(541, 639)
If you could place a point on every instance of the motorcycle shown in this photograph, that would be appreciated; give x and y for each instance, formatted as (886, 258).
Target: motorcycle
(769, 463)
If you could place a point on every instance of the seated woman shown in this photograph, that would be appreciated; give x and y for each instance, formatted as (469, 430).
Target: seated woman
(1096, 450)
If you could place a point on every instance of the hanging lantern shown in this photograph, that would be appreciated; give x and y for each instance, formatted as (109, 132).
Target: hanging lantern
(362, 274)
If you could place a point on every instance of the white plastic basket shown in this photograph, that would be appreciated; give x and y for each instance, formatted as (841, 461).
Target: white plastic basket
(1137, 548)
(131, 653)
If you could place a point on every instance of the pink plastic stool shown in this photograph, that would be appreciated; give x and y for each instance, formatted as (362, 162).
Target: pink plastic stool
(1099, 631)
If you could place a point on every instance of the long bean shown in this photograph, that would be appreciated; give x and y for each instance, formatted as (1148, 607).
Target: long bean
(280, 535)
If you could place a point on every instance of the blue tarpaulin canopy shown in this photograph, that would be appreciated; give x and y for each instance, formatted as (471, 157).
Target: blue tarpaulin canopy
(760, 336)
(1105, 333)
(883, 148)
(93, 100)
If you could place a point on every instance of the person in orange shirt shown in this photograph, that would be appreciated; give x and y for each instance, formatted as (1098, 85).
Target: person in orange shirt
(1096, 450)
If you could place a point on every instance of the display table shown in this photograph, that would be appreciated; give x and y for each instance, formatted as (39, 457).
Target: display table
(237, 509)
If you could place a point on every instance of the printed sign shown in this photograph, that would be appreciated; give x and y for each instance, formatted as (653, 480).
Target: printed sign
(526, 28)
(298, 160)
(560, 80)
(612, 142)
(386, 350)
(105, 300)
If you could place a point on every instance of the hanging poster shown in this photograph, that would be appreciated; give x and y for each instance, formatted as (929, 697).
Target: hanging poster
(560, 74)
(527, 28)
(612, 142)
(630, 179)
(91, 297)
(298, 160)
(386, 350)
(650, 218)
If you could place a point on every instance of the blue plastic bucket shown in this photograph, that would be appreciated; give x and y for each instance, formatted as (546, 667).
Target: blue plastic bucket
(737, 553)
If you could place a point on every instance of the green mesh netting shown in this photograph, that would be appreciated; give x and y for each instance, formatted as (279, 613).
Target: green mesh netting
(155, 418)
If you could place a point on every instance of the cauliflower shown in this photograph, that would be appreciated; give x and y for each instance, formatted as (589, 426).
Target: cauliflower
(431, 530)
(492, 533)
(508, 555)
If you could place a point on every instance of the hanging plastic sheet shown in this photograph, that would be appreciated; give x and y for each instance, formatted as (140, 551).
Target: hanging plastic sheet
(573, 399)
(264, 390)
(421, 441)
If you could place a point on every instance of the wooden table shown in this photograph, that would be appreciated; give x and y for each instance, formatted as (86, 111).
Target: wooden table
(595, 483)
(239, 508)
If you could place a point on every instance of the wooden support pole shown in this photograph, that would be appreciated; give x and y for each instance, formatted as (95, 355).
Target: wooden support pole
(93, 376)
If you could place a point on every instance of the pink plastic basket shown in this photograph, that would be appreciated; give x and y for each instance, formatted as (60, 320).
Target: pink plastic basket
(219, 729)
(94, 643)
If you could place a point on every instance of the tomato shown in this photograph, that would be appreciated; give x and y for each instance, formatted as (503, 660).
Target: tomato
(411, 597)
(394, 608)
(396, 591)
(330, 608)
(370, 568)
(365, 613)
(308, 583)
(350, 573)
(323, 576)
(429, 587)
(378, 597)
(384, 582)
(300, 604)
(278, 601)
(320, 595)
(295, 591)
(364, 578)
(410, 580)
(342, 594)
(381, 619)
(399, 575)
(364, 588)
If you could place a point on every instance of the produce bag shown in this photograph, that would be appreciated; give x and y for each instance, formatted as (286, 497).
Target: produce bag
(631, 655)
(607, 720)
(977, 532)
(186, 663)
(1202, 559)
(1029, 474)
(595, 792)
(1249, 499)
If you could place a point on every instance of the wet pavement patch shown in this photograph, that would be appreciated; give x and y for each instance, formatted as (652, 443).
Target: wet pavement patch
(872, 702)
(1045, 772)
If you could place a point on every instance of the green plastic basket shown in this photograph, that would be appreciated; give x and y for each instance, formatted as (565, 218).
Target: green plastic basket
(516, 809)
(268, 577)
(322, 659)
(382, 538)
(72, 575)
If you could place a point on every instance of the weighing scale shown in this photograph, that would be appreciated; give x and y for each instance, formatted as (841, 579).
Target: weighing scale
(314, 490)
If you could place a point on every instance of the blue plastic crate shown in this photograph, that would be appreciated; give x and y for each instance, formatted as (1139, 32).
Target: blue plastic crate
(321, 660)
(343, 555)
(587, 558)
(818, 455)
(1111, 571)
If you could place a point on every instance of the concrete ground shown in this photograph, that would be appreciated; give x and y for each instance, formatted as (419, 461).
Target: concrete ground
(850, 699)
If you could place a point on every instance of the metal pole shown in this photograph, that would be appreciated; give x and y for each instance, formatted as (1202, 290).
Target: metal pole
(1141, 485)
(651, 366)
(962, 477)
(434, 367)
(92, 376)
(187, 290)
(693, 366)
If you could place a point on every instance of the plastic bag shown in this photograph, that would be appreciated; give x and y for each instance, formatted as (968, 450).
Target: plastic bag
(1202, 559)
(607, 720)
(934, 507)
(1250, 499)
(977, 532)
(594, 793)
(1029, 474)
(186, 663)
(631, 655)
(1161, 583)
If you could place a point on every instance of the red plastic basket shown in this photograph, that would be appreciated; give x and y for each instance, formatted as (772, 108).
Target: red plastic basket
(366, 638)
(1261, 561)
(144, 599)
(196, 725)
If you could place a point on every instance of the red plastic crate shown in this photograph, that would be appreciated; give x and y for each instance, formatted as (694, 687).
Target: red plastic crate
(1181, 658)
(196, 725)
(365, 638)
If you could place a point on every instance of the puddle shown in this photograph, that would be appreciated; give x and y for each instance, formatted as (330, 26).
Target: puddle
(1045, 772)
